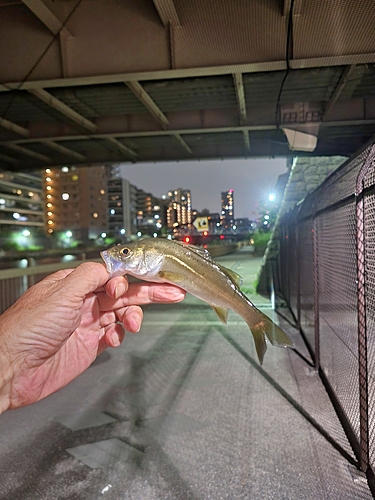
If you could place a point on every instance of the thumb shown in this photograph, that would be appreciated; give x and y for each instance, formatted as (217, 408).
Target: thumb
(86, 278)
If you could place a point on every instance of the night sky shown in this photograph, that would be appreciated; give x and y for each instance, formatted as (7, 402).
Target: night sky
(252, 181)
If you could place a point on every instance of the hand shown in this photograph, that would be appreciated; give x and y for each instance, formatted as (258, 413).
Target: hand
(59, 326)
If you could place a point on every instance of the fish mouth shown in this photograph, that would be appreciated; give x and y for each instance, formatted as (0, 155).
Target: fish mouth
(107, 260)
(113, 266)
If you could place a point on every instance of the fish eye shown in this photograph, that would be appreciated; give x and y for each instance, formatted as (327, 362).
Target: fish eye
(125, 251)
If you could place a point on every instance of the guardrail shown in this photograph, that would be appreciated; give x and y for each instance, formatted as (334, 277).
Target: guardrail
(14, 282)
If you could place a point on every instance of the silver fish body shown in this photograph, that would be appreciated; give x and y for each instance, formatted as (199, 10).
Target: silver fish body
(192, 268)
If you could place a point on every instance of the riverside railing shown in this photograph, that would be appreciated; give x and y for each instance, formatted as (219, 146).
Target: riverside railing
(326, 274)
(14, 281)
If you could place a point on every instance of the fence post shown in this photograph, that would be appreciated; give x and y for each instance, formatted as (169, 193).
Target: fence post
(316, 294)
(362, 324)
(31, 262)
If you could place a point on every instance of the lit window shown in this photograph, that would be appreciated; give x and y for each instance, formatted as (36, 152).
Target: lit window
(48, 170)
(30, 193)
(19, 191)
(113, 211)
(75, 177)
(16, 215)
(95, 215)
(49, 205)
(65, 196)
(49, 214)
(48, 179)
(48, 188)
(50, 222)
(49, 196)
(102, 191)
(65, 169)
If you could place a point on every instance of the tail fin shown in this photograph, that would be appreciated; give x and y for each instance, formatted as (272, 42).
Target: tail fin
(266, 328)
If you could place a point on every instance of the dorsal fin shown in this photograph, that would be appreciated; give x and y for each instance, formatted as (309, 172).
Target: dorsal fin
(203, 252)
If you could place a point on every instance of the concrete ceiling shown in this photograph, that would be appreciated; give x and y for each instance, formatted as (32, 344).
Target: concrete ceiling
(88, 81)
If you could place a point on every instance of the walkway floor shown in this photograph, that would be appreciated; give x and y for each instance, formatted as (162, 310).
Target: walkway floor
(183, 410)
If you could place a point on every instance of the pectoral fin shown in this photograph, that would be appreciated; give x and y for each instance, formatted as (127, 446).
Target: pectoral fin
(171, 277)
(222, 312)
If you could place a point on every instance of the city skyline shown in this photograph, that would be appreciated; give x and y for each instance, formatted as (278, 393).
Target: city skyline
(252, 181)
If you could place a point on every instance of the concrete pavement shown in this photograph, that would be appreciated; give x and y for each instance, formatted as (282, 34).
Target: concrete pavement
(183, 410)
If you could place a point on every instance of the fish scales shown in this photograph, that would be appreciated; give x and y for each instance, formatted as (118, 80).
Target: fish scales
(192, 268)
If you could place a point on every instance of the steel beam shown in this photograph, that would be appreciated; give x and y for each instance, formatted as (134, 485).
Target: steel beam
(124, 149)
(64, 150)
(246, 139)
(180, 141)
(348, 71)
(62, 108)
(9, 159)
(47, 17)
(28, 152)
(240, 94)
(171, 74)
(148, 103)
(13, 127)
(167, 12)
(180, 132)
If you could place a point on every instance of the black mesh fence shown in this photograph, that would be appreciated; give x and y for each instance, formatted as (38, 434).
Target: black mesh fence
(326, 275)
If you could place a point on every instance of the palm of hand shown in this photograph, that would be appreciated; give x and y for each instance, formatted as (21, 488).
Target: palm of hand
(59, 346)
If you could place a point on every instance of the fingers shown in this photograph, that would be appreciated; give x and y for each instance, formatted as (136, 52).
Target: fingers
(131, 317)
(141, 294)
(86, 278)
(113, 337)
(116, 287)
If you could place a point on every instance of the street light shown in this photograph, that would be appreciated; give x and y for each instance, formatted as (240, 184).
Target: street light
(271, 197)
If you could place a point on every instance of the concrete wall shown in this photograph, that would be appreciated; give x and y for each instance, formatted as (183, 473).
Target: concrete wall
(306, 174)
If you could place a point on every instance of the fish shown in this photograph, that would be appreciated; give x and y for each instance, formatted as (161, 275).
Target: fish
(192, 268)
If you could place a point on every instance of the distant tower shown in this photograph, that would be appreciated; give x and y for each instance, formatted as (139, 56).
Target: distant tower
(122, 206)
(227, 208)
(179, 208)
(76, 200)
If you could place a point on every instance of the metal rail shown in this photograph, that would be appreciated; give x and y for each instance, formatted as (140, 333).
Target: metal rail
(14, 281)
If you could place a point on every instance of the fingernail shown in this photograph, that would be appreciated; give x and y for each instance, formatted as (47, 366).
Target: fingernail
(136, 324)
(115, 340)
(119, 290)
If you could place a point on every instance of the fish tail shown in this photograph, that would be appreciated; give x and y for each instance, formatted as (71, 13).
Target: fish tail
(267, 329)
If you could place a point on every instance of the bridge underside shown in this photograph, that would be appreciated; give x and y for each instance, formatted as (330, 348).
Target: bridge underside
(151, 80)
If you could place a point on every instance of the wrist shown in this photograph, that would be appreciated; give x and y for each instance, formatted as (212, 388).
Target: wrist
(6, 370)
(5, 383)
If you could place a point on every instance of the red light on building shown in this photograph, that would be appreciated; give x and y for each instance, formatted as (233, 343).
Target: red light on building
(222, 236)
(187, 239)
(205, 233)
